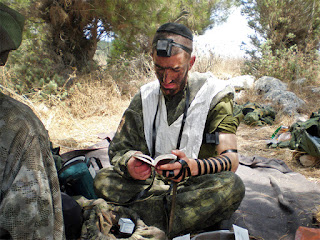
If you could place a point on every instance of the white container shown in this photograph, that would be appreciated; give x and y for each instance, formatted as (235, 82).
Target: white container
(126, 225)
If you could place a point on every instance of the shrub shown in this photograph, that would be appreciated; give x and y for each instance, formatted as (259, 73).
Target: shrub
(30, 69)
(285, 64)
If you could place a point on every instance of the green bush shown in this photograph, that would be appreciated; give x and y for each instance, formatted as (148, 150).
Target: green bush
(285, 64)
(31, 69)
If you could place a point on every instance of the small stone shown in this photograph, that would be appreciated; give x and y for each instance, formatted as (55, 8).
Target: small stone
(308, 160)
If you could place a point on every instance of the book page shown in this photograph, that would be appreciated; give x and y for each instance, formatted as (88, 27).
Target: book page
(162, 159)
(144, 158)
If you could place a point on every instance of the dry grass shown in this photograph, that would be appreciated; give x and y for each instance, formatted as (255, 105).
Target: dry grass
(252, 142)
(95, 106)
(223, 68)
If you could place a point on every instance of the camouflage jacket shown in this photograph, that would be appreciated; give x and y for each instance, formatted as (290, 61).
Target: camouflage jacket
(30, 199)
(130, 133)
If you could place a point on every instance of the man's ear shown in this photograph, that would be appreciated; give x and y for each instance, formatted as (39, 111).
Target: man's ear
(192, 60)
(151, 54)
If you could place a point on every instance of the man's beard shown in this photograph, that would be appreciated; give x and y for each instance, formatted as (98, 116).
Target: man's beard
(182, 85)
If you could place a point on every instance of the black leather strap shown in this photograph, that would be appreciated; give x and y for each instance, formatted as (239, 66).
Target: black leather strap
(184, 116)
(215, 165)
(205, 166)
(184, 168)
(164, 173)
(154, 130)
(210, 166)
(171, 174)
(199, 167)
(221, 163)
(230, 164)
(185, 113)
(225, 163)
(229, 150)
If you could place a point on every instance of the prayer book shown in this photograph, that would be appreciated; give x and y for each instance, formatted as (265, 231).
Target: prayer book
(160, 160)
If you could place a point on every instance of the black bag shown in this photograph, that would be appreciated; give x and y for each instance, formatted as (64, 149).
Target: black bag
(72, 216)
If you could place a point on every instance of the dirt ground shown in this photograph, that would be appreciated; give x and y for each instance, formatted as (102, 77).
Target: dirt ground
(252, 142)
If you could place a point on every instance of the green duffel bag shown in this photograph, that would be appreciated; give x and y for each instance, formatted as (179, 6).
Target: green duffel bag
(310, 144)
(305, 136)
(76, 177)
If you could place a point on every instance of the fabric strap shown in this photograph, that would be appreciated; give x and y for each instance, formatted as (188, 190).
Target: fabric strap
(184, 116)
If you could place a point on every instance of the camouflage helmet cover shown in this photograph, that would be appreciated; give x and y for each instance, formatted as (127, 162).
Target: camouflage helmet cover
(11, 27)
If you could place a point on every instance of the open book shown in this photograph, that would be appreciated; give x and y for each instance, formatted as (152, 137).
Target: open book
(162, 159)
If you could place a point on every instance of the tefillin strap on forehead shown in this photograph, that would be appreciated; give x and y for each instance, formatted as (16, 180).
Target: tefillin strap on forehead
(164, 46)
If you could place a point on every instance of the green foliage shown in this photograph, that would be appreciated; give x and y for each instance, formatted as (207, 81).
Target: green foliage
(117, 52)
(63, 34)
(77, 26)
(285, 23)
(135, 36)
(288, 36)
(286, 64)
(32, 70)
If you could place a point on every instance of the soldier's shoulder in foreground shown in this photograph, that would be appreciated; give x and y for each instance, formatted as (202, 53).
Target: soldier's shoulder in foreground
(15, 113)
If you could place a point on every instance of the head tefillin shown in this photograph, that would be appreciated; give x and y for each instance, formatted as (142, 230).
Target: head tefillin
(164, 46)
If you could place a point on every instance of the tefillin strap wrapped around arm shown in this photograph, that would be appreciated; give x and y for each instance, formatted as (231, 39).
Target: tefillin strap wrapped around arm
(222, 160)
(212, 164)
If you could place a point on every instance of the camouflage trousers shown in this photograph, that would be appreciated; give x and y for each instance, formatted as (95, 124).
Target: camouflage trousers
(201, 201)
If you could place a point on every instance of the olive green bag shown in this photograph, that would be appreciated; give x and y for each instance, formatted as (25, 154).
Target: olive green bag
(305, 136)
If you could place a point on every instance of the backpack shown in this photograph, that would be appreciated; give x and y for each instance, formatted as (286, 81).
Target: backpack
(76, 171)
(305, 136)
(76, 176)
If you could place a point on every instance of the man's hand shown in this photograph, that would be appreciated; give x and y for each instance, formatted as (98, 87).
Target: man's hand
(176, 167)
(138, 170)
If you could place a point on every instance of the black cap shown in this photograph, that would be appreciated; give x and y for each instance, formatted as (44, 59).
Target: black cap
(176, 28)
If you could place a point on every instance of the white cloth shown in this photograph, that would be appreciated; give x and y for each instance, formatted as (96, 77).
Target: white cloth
(167, 136)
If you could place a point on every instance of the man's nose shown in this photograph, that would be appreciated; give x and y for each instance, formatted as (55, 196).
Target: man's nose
(166, 77)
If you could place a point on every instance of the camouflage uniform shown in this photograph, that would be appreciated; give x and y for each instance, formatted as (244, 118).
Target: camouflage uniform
(30, 200)
(202, 201)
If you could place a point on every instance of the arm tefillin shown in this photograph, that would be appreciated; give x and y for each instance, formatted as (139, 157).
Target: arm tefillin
(215, 164)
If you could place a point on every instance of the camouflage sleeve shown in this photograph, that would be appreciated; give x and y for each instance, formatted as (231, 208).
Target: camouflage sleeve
(30, 200)
(220, 118)
(129, 137)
